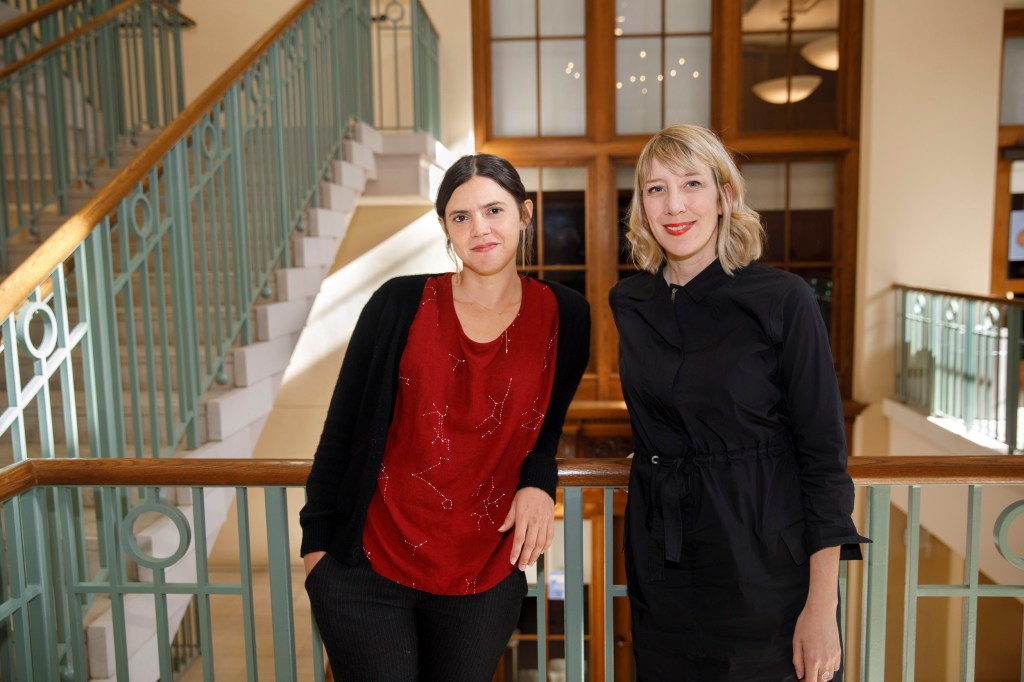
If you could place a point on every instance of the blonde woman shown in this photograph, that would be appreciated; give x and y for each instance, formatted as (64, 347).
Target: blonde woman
(739, 504)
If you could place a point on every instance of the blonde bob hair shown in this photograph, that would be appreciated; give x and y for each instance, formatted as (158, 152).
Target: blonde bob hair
(685, 148)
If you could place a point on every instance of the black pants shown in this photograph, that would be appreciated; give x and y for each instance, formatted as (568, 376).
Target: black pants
(375, 629)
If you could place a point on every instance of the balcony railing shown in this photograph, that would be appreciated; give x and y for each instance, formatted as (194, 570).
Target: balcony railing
(958, 358)
(115, 329)
(407, 86)
(66, 105)
(46, 587)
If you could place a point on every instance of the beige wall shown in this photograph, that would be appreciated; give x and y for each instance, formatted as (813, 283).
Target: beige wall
(223, 31)
(929, 115)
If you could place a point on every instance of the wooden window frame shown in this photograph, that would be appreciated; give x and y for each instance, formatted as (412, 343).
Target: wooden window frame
(1010, 136)
(601, 150)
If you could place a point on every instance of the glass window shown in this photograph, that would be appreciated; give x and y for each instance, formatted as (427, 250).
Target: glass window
(1016, 246)
(1012, 112)
(560, 219)
(514, 96)
(562, 88)
(561, 18)
(513, 19)
(796, 201)
(662, 71)
(538, 79)
(790, 65)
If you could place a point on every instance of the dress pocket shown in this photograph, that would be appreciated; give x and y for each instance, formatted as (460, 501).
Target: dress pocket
(318, 568)
(793, 537)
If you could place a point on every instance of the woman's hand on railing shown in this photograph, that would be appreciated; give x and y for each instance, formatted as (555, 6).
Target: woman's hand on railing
(310, 560)
(533, 516)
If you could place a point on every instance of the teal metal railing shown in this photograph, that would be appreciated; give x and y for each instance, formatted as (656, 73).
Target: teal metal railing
(41, 25)
(958, 357)
(405, 45)
(45, 588)
(65, 107)
(126, 317)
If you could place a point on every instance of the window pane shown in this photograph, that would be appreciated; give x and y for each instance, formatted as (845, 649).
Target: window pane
(687, 75)
(512, 19)
(624, 195)
(638, 100)
(782, 89)
(811, 203)
(563, 93)
(563, 222)
(562, 18)
(766, 194)
(515, 92)
(774, 15)
(1016, 248)
(638, 16)
(688, 16)
(1012, 112)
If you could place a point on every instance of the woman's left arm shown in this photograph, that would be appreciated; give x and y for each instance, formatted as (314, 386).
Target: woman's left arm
(815, 412)
(533, 507)
(816, 649)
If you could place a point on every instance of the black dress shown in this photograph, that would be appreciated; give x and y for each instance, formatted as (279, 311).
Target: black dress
(739, 472)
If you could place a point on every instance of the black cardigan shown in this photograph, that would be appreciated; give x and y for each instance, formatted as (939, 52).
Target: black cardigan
(351, 449)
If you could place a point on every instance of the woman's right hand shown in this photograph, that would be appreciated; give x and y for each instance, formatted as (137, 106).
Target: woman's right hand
(310, 560)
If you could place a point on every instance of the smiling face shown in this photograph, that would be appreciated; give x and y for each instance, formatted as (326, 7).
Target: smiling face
(483, 222)
(682, 208)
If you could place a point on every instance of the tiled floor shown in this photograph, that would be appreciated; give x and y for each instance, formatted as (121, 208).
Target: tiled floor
(229, 661)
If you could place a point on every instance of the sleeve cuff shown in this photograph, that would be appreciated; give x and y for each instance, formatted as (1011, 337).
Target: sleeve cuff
(848, 539)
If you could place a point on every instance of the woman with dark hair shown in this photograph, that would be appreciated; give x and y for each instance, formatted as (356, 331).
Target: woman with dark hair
(739, 501)
(434, 479)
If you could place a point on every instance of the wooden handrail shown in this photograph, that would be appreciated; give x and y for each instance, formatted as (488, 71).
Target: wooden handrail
(959, 294)
(17, 478)
(38, 266)
(186, 20)
(28, 18)
(65, 39)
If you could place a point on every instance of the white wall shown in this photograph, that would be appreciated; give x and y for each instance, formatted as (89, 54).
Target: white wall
(930, 106)
(224, 30)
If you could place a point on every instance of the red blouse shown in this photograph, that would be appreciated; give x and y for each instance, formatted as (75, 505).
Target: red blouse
(466, 415)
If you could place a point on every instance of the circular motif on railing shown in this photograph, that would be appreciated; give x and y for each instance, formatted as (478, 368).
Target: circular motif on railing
(952, 312)
(394, 11)
(132, 545)
(252, 87)
(141, 215)
(919, 304)
(1002, 532)
(209, 138)
(992, 317)
(42, 348)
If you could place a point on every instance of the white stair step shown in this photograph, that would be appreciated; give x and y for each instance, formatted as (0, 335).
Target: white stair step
(323, 222)
(258, 361)
(294, 283)
(310, 251)
(368, 136)
(359, 154)
(349, 175)
(281, 317)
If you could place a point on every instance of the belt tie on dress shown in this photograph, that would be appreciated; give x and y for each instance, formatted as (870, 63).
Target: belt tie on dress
(674, 480)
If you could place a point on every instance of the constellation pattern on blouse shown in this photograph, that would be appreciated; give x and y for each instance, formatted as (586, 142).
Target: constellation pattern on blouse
(456, 361)
(533, 417)
(497, 408)
(430, 296)
(547, 353)
(382, 481)
(406, 381)
(446, 502)
(470, 585)
(439, 432)
(414, 546)
(489, 504)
